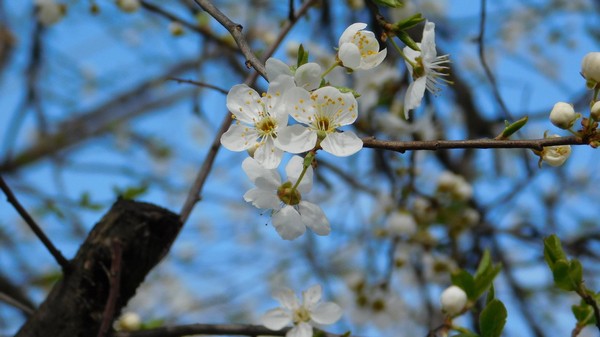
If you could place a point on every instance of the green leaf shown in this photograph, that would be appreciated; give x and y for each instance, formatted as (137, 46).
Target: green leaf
(492, 319)
(464, 281)
(512, 128)
(562, 275)
(576, 272)
(131, 192)
(302, 56)
(485, 274)
(553, 251)
(407, 40)
(584, 314)
(484, 264)
(390, 3)
(490, 295)
(466, 334)
(408, 23)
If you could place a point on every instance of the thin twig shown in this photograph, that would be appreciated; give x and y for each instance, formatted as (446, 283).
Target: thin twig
(60, 259)
(211, 329)
(195, 191)
(235, 29)
(434, 145)
(115, 285)
(200, 84)
(486, 68)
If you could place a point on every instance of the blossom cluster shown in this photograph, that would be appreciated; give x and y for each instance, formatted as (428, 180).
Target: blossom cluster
(317, 109)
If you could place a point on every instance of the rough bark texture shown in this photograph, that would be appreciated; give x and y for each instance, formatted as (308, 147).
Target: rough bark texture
(75, 306)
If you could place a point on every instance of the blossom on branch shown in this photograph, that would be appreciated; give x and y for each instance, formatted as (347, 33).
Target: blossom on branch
(555, 155)
(258, 120)
(307, 76)
(563, 115)
(453, 300)
(291, 215)
(304, 315)
(426, 67)
(590, 68)
(359, 49)
(320, 113)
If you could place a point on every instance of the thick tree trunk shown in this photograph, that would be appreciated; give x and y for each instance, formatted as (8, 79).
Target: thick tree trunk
(132, 235)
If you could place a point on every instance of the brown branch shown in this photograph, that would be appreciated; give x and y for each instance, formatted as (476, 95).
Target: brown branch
(195, 191)
(235, 30)
(211, 329)
(199, 84)
(60, 259)
(434, 145)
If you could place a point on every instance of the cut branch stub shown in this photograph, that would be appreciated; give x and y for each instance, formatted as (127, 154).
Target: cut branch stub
(75, 305)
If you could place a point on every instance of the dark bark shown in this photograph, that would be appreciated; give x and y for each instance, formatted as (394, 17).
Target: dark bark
(76, 304)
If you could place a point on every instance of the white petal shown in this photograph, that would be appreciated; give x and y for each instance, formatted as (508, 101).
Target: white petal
(299, 105)
(274, 98)
(288, 223)
(239, 137)
(287, 298)
(268, 155)
(342, 144)
(275, 68)
(296, 139)
(311, 296)
(349, 54)
(428, 42)
(348, 34)
(308, 76)
(245, 103)
(254, 171)
(346, 114)
(276, 319)
(326, 313)
(374, 60)
(301, 330)
(262, 199)
(414, 95)
(314, 218)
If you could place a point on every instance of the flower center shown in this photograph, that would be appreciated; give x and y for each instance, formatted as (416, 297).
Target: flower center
(266, 126)
(322, 123)
(288, 195)
(301, 315)
(419, 69)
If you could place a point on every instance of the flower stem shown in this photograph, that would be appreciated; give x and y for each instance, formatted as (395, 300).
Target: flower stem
(307, 162)
(336, 64)
(397, 47)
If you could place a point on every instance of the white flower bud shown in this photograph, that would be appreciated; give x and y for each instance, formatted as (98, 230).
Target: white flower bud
(590, 67)
(50, 12)
(563, 115)
(176, 28)
(453, 300)
(595, 111)
(128, 6)
(400, 223)
(556, 155)
(129, 321)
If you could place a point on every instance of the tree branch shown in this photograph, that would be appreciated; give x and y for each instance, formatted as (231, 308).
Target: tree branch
(434, 145)
(60, 259)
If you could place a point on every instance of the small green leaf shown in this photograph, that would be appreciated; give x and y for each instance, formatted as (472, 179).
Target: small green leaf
(484, 264)
(490, 295)
(302, 56)
(131, 192)
(576, 272)
(561, 274)
(484, 280)
(492, 319)
(407, 40)
(464, 281)
(512, 128)
(390, 3)
(584, 313)
(408, 23)
(553, 251)
(346, 89)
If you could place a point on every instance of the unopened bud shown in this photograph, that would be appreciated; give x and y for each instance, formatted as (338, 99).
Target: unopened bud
(453, 300)
(563, 115)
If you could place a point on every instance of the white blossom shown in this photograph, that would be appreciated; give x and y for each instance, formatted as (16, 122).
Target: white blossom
(455, 185)
(595, 111)
(453, 300)
(291, 215)
(321, 113)
(129, 321)
(258, 120)
(307, 76)
(303, 315)
(427, 69)
(563, 115)
(49, 12)
(401, 223)
(128, 6)
(590, 67)
(359, 49)
(555, 155)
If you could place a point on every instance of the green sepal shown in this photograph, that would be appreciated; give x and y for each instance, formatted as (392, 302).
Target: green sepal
(407, 40)
(408, 23)
(302, 56)
(493, 319)
(344, 90)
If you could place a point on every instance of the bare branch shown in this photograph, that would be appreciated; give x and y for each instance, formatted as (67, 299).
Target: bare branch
(60, 259)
